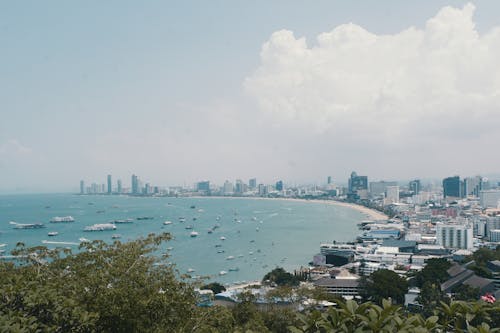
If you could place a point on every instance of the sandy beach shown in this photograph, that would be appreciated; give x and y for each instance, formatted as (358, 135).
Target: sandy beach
(371, 214)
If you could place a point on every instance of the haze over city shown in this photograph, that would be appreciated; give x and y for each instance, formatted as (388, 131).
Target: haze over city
(180, 92)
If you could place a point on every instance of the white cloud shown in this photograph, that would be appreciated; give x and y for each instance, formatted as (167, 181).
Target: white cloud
(441, 82)
(13, 148)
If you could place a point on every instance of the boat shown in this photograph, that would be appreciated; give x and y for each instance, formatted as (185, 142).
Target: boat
(218, 245)
(222, 238)
(170, 248)
(210, 231)
(233, 269)
(124, 221)
(222, 273)
(100, 227)
(53, 233)
(220, 251)
(191, 270)
(116, 236)
(167, 222)
(193, 207)
(193, 234)
(100, 211)
(27, 225)
(62, 219)
(230, 258)
(141, 218)
(182, 219)
(188, 227)
(84, 240)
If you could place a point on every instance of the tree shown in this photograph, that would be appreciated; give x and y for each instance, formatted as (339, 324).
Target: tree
(119, 287)
(281, 278)
(384, 284)
(435, 271)
(215, 287)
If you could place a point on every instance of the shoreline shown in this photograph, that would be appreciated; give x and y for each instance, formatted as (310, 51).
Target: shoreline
(369, 212)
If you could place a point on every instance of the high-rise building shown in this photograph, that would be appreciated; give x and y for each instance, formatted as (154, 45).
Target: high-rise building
(110, 185)
(357, 183)
(380, 187)
(415, 186)
(279, 185)
(82, 187)
(262, 190)
(252, 183)
(473, 185)
(452, 187)
(239, 186)
(392, 194)
(489, 198)
(203, 186)
(119, 188)
(135, 184)
(228, 188)
(329, 180)
(458, 236)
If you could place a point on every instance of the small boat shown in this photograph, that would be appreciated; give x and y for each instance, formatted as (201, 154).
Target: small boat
(182, 219)
(124, 221)
(116, 236)
(62, 219)
(100, 211)
(170, 248)
(222, 238)
(193, 207)
(218, 245)
(200, 210)
(210, 231)
(191, 270)
(194, 218)
(84, 240)
(222, 273)
(188, 227)
(53, 233)
(141, 218)
(193, 234)
(167, 222)
(234, 269)
(220, 251)
(100, 227)
(230, 258)
(257, 229)
(27, 225)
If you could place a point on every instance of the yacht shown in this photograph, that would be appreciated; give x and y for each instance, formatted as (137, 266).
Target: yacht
(100, 227)
(62, 219)
(27, 225)
(193, 234)
(230, 258)
(167, 222)
(222, 273)
(53, 233)
(191, 270)
(222, 238)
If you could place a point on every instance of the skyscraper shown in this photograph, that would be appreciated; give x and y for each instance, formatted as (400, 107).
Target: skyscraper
(473, 185)
(110, 185)
(119, 186)
(414, 186)
(252, 183)
(279, 185)
(82, 187)
(357, 183)
(329, 180)
(203, 186)
(135, 185)
(452, 187)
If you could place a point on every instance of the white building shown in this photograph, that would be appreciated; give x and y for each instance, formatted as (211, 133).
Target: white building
(489, 199)
(495, 235)
(458, 236)
(392, 194)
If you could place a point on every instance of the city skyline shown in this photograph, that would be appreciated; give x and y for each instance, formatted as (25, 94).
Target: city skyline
(183, 91)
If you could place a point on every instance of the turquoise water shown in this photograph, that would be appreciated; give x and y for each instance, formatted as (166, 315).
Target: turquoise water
(260, 234)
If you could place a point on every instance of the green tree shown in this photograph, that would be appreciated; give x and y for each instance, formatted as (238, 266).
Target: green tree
(384, 284)
(281, 278)
(215, 287)
(433, 272)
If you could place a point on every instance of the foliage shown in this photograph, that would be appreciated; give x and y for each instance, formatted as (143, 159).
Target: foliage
(281, 278)
(384, 284)
(215, 287)
(433, 272)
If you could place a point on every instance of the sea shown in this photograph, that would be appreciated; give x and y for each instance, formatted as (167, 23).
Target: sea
(252, 237)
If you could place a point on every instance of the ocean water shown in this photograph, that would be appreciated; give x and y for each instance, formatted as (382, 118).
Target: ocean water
(259, 234)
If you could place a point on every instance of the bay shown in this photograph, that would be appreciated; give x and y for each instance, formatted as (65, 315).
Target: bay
(260, 234)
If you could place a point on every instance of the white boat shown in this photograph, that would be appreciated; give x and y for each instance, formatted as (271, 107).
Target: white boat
(53, 233)
(27, 225)
(222, 273)
(62, 219)
(234, 269)
(193, 234)
(191, 270)
(84, 240)
(222, 238)
(124, 221)
(167, 222)
(230, 258)
(100, 227)
(116, 236)
(188, 227)
(170, 248)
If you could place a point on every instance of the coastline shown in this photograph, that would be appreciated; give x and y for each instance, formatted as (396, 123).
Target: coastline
(369, 212)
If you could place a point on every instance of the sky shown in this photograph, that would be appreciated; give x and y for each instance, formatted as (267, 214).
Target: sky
(182, 91)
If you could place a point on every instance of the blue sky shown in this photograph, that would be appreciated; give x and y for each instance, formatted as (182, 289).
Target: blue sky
(175, 92)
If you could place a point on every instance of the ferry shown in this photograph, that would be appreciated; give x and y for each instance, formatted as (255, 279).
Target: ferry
(100, 227)
(62, 219)
(27, 225)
